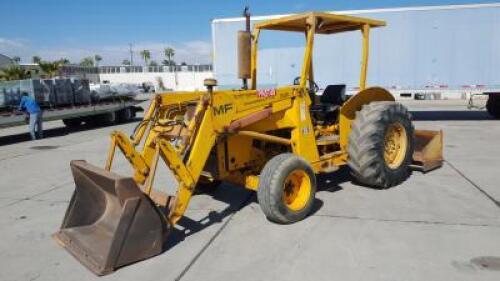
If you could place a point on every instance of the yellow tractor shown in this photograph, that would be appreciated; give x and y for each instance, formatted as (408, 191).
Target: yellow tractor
(273, 141)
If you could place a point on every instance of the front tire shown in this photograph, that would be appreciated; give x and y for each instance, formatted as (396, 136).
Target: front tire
(287, 188)
(381, 144)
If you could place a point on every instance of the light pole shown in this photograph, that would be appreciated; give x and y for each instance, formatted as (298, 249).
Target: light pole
(131, 55)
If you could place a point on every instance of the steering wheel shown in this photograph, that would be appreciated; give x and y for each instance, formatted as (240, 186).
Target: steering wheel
(315, 88)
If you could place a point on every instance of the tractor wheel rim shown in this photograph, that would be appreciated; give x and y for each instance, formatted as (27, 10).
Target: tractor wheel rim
(395, 145)
(297, 190)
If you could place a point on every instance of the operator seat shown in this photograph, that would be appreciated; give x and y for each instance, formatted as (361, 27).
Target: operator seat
(326, 110)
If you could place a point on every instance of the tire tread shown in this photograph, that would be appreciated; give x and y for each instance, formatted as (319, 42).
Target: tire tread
(365, 148)
(269, 193)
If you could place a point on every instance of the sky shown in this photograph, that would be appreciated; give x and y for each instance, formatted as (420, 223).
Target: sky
(74, 29)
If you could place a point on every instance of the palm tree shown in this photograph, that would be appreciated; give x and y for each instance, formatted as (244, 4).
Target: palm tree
(50, 69)
(169, 53)
(87, 62)
(146, 55)
(97, 59)
(36, 59)
(64, 61)
(16, 59)
(168, 62)
(125, 62)
(14, 72)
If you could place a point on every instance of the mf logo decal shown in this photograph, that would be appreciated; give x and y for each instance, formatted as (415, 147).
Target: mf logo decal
(222, 109)
(264, 93)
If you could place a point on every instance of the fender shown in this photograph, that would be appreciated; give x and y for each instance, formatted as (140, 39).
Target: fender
(354, 104)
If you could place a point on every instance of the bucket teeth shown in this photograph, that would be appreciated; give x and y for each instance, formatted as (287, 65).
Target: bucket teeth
(109, 221)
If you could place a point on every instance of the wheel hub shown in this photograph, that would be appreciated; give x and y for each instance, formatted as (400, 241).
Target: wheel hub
(395, 145)
(297, 190)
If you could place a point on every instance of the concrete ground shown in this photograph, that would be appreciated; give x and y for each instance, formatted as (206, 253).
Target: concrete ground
(444, 225)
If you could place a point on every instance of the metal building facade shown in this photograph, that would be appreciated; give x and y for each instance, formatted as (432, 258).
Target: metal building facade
(5, 61)
(421, 47)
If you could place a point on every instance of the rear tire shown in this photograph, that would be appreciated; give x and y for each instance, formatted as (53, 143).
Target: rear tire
(72, 123)
(287, 188)
(493, 105)
(381, 144)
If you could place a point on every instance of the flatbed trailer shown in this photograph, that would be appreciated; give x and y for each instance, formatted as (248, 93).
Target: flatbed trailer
(100, 113)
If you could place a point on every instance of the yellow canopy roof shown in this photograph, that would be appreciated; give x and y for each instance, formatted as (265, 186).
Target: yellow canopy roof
(327, 23)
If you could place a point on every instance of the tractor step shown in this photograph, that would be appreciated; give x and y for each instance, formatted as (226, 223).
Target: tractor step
(327, 140)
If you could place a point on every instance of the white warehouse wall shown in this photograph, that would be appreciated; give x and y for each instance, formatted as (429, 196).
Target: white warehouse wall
(177, 81)
(440, 51)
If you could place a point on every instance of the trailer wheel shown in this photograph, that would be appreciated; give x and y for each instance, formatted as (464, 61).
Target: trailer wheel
(125, 115)
(287, 188)
(104, 119)
(72, 122)
(493, 105)
(109, 118)
(381, 144)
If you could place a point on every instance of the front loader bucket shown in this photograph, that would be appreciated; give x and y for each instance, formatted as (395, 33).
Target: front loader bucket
(428, 153)
(109, 222)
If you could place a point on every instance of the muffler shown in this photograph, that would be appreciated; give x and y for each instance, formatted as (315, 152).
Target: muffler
(109, 222)
(428, 152)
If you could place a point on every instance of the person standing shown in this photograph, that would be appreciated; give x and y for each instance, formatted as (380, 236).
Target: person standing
(29, 105)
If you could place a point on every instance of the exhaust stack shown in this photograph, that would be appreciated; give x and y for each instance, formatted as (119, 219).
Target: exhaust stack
(245, 51)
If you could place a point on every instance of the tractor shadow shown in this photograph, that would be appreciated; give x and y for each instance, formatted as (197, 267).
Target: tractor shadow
(331, 182)
(237, 198)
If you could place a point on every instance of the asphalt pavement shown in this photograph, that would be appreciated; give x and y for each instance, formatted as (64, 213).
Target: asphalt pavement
(443, 225)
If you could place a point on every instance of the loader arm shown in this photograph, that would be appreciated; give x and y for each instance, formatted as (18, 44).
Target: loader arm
(157, 146)
(217, 114)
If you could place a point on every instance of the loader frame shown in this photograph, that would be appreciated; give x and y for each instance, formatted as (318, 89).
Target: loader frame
(226, 124)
